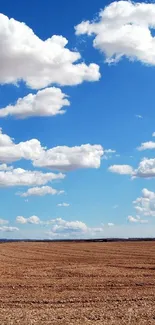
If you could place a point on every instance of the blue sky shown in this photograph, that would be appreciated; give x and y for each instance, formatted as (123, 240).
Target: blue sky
(111, 106)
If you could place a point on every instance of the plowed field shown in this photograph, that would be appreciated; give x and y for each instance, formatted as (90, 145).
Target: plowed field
(77, 283)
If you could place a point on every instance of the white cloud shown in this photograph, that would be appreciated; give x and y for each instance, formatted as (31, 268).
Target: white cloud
(121, 169)
(72, 229)
(46, 102)
(8, 229)
(60, 228)
(108, 153)
(5, 167)
(63, 204)
(145, 205)
(139, 116)
(132, 219)
(70, 158)
(21, 219)
(24, 56)
(32, 220)
(59, 158)
(9, 151)
(3, 222)
(40, 191)
(146, 168)
(60, 225)
(5, 140)
(123, 29)
(136, 219)
(22, 177)
(110, 224)
(146, 146)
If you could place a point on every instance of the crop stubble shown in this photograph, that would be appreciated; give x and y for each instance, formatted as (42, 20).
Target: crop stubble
(77, 283)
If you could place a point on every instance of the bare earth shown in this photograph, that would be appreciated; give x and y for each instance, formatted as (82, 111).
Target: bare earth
(77, 283)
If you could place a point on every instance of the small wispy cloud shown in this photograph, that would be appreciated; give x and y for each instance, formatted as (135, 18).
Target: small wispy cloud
(115, 206)
(139, 116)
(108, 153)
(63, 204)
(110, 224)
(3, 222)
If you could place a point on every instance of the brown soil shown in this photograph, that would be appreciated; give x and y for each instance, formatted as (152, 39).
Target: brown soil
(77, 283)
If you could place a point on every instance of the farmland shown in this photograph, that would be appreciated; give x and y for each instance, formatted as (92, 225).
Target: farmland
(77, 283)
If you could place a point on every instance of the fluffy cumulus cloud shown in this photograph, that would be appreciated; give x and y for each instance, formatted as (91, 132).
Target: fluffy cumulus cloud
(110, 224)
(64, 204)
(147, 145)
(60, 225)
(24, 56)
(8, 229)
(70, 158)
(61, 228)
(72, 229)
(121, 169)
(31, 220)
(145, 205)
(145, 169)
(123, 29)
(41, 191)
(5, 167)
(58, 158)
(136, 219)
(46, 102)
(22, 177)
(5, 140)
(10, 151)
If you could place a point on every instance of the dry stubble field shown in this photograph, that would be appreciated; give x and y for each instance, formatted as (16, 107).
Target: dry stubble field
(77, 283)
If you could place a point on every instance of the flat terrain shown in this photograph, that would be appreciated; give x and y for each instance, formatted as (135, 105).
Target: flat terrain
(77, 283)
